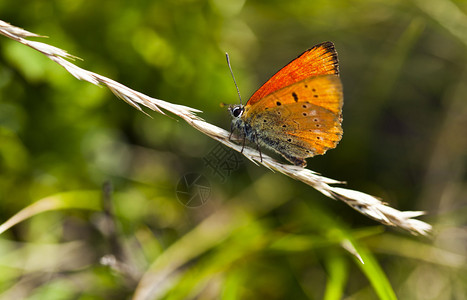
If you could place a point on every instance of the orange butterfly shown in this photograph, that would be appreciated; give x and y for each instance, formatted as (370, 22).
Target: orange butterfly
(298, 111)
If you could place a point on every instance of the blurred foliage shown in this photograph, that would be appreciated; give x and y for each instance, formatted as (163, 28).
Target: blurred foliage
(260, 235)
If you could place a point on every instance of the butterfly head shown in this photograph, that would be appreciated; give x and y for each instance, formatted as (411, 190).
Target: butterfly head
(236, 110)
(238, 124)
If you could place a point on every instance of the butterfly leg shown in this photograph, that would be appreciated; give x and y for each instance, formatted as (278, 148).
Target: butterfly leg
(245, 134)
(231, 130)
(255, 140)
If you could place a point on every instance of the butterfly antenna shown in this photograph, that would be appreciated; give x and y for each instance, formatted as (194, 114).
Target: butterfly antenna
(231, 72)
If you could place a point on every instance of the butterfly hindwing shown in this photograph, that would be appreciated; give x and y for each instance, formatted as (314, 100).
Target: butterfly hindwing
(300, 120)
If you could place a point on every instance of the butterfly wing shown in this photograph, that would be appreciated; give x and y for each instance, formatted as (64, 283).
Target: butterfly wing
(300, 120)
(318, 60)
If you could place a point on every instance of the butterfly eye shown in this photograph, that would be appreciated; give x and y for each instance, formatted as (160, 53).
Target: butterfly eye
(237, 111)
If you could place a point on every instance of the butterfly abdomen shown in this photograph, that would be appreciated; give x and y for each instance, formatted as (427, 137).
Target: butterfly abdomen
(293, 153)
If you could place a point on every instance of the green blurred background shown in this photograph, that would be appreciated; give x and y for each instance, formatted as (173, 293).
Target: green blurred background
(260, 235)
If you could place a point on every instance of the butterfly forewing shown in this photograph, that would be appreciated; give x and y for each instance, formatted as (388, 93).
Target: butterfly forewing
(318, 60)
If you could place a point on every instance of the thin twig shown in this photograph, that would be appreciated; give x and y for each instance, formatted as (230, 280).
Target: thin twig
(366, 204)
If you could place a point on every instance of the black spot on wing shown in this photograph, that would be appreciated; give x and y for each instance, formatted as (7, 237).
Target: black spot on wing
(295, 97)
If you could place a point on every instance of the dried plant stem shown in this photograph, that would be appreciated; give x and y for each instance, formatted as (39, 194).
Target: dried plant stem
(366, 204)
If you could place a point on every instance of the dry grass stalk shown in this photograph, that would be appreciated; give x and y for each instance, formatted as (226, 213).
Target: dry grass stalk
(366, 204)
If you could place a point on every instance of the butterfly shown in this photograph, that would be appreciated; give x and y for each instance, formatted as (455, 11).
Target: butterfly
(298, 111)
